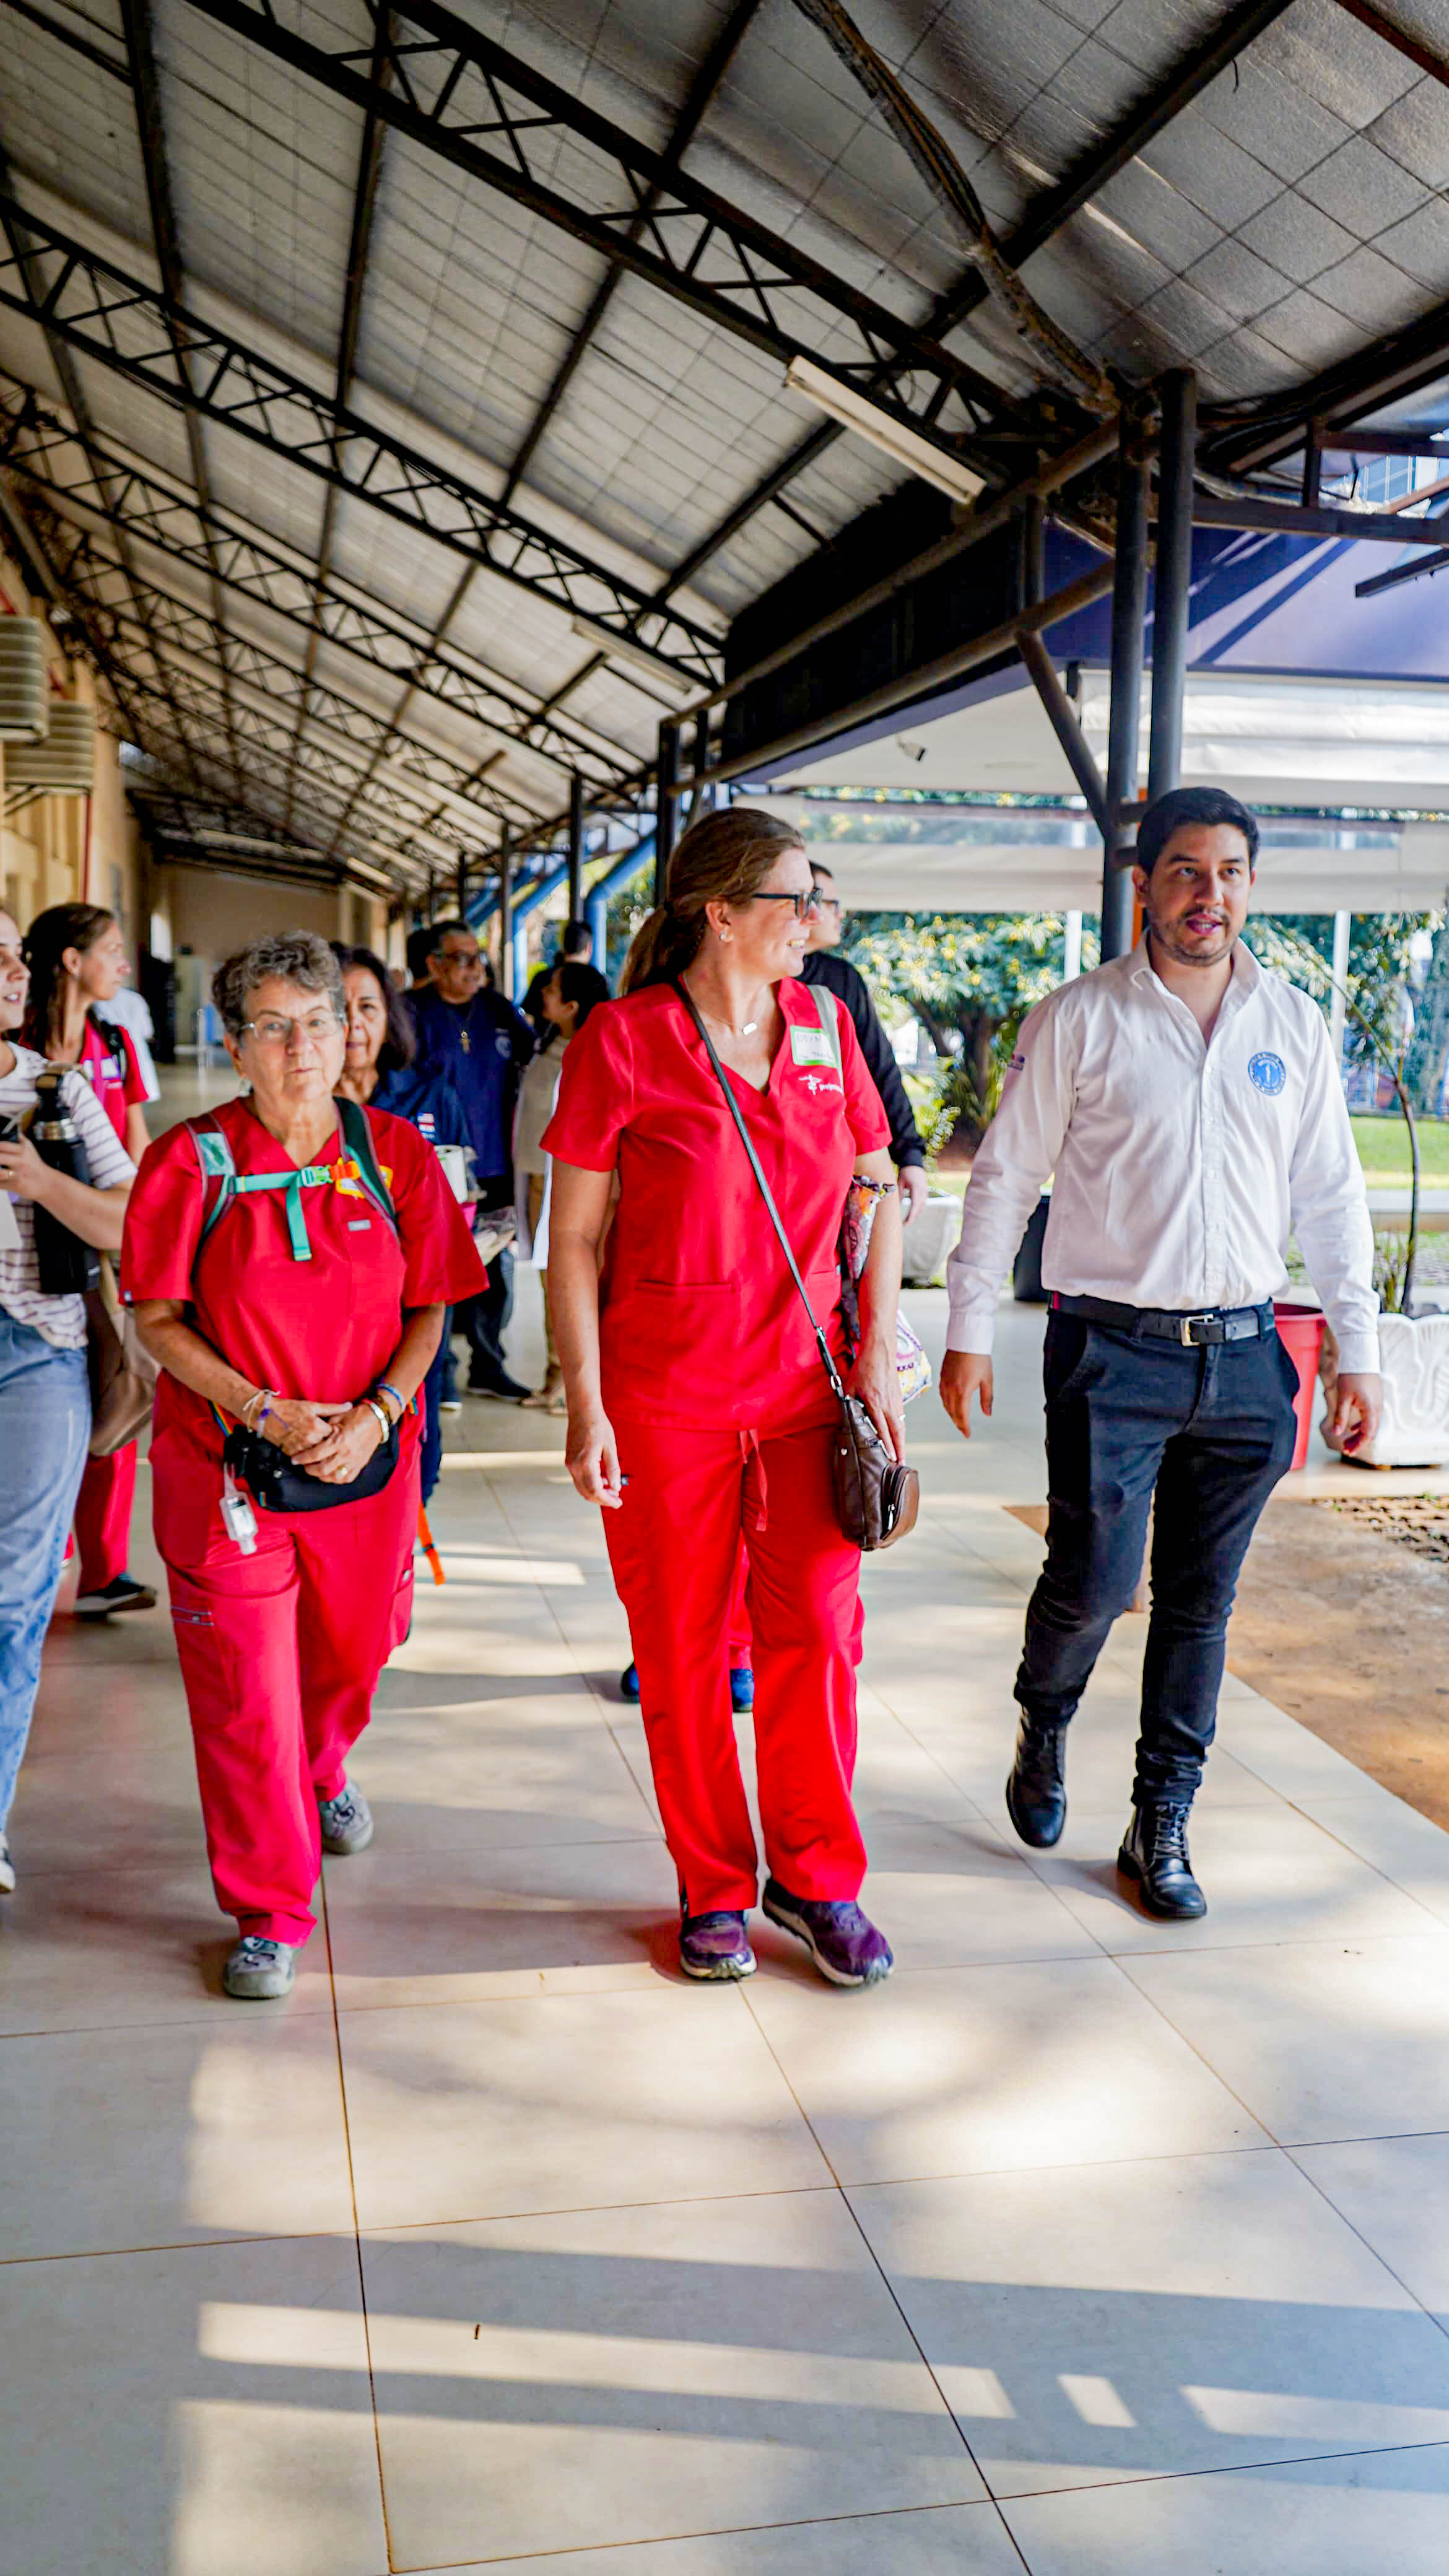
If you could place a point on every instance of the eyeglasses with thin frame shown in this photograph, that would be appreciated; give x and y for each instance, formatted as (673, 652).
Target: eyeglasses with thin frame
(806, 905)
(274, 1031)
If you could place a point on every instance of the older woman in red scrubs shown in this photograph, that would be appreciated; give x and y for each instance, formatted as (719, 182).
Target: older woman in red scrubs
(698, 1408)
(292, 1281)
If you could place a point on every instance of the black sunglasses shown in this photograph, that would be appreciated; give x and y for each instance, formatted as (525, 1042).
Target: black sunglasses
(806, 905)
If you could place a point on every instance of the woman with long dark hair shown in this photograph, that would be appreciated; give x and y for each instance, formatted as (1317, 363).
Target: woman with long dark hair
(379, 1069)
(699, 1411)
(45, 1400)
(77, 959)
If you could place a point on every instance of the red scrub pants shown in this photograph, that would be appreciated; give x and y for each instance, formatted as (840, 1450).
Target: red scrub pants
(103, 1517)
(280, 1654)
(674, 1545)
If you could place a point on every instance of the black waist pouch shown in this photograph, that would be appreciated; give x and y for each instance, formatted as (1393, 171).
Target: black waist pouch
(276, 1484)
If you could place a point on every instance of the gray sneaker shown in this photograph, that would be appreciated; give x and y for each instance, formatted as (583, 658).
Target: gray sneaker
(258, 1970)
(346, 1822)
(7, 1869)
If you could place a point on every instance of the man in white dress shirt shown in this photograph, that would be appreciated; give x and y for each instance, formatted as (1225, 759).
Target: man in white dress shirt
(1190, 1108)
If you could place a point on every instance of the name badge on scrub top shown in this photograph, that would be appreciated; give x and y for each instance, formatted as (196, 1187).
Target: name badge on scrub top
(810, 1046)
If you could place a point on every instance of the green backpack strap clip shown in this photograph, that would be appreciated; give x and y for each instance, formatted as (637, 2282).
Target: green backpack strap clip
(214, 1155)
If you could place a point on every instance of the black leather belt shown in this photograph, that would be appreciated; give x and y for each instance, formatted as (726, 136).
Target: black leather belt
(1216, 1324)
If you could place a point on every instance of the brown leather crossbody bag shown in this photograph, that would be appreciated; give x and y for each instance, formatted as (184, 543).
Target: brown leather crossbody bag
(877, 1498)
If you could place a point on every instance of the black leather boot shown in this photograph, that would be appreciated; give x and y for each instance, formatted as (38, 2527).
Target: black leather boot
(1154, 1856)
(1036, 1792)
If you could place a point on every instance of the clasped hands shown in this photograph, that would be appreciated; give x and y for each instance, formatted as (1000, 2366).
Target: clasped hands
(332, 1441)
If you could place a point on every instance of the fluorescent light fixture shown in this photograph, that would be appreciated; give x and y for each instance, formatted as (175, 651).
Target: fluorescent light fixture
(632, 656)
(882, 430)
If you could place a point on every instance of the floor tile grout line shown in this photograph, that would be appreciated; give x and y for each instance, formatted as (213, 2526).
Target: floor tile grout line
(356, 2228)
(1372, 2250)
(390, 2230)
(570, 1649)
(1228, 2469)
(721, 2531)
(860, 2231)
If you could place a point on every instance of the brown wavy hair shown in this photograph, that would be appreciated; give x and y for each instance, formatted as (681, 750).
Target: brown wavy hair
(51, 933)
(723, 858)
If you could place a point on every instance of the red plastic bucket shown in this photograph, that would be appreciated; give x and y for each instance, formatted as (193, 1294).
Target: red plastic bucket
(1300, 1330)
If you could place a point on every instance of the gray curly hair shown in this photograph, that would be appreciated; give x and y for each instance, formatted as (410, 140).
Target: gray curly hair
(291, 956)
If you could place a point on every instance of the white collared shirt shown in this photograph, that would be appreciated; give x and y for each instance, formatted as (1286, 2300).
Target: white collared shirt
(1181, 1167)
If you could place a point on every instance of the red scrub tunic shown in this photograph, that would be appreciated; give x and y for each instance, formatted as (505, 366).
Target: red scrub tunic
(108, 1486)
(280, 1650)
(713, 1383)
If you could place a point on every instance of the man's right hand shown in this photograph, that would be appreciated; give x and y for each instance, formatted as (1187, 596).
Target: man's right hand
(964, 1374)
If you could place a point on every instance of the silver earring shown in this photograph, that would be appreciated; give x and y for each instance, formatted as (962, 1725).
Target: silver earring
(724, 934)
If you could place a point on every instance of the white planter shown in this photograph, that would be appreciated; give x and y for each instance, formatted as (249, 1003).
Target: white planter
(928, 1238)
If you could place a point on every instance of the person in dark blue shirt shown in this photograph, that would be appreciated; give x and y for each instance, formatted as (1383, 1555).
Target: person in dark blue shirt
(380, 1071)
(478, 1037)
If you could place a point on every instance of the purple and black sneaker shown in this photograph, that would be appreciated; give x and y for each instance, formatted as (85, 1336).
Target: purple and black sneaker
(714, 1946)
(843, 1942)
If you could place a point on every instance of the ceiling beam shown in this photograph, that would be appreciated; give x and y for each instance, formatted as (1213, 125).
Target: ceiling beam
(90, 304)
(36, 443)
(20, 257)
(364, 205)
(1045, 217)
(151, 133)
(452, 85)
(702, 90)
(700, 97)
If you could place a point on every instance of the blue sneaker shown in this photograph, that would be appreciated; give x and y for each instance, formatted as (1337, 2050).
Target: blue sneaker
(842, 1941)
(629, 1683)
(715, 1946)
(742, 1689)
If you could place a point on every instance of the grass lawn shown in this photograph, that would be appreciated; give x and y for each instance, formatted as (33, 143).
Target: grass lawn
(1383, 1149)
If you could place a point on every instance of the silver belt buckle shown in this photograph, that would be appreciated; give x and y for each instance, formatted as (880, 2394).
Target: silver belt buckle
(1184, 1330)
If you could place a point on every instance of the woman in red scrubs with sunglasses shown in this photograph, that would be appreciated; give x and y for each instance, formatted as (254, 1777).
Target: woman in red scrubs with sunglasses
(698, 1407)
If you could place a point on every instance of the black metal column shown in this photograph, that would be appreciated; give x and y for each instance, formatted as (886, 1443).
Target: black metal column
(460, 885)
(576, 847)
(505, 914)
(666, 806)
(1129, 611)
(1173, 585)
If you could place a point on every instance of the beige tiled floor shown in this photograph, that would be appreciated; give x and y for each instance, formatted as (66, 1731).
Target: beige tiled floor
(1083, 2246)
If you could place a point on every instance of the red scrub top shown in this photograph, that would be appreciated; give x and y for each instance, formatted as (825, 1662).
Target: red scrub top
(701, 1323)
(324, 1328)
(113, 1073)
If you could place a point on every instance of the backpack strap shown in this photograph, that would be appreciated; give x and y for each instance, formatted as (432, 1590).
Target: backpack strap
(214, 1155)
(828, 1013)
(356, 1129)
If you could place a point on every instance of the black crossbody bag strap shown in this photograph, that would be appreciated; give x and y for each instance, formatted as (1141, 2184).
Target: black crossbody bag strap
(826, 1357)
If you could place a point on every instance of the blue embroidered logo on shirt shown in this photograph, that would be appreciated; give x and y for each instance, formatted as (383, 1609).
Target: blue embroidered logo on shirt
(1268, 1073)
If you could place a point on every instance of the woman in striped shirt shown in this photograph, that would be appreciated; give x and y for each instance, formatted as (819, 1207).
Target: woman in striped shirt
(45, 1405)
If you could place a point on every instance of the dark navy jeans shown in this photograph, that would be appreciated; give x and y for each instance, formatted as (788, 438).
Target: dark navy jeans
(1211, 1431)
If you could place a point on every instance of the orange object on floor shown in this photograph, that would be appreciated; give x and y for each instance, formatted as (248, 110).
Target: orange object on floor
(425, 1542)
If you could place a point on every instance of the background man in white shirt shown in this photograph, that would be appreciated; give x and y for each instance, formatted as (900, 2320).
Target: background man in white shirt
(1190, 1108)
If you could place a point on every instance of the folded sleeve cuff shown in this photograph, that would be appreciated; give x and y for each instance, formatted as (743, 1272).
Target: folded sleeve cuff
(1358, 1354)
(973, 1329)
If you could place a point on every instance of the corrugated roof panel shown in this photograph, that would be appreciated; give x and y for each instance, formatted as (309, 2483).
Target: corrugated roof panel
(1415, 131)
(71, 126)
(1296, 237)
(405, 571)
(263, 168)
